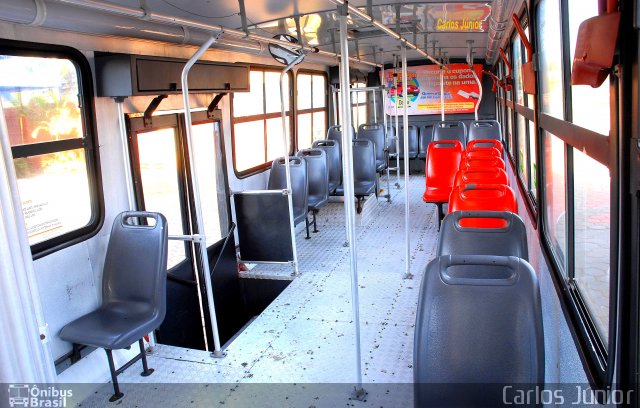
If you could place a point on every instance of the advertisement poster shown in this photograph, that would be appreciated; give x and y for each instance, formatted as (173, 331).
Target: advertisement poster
(461, 90)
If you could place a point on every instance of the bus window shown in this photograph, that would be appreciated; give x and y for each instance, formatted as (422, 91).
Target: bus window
(590, 106)
(45, 111)
(592, 236)
(555, 190)
(550, 57)
(311, 114)
(257, 122)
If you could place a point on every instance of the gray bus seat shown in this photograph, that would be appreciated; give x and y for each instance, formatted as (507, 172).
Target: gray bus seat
(479, 322)
(364, 171)
(426, 134)
(484, 129)
(335, 133)
(299, 184)
(450, 130)
(133, 291)
(334, 163)
(318, 179)
(375, 133)
(413, 142)
(263, 226)
(510, 240)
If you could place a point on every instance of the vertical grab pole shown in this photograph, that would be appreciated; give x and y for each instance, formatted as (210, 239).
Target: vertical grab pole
(350, 216)
(383, 95)
(285, 146)
(397, 130)
(335, 105)
(475, 76)
(442, 94)
(405, 124)
(202, 243)
(375, 108)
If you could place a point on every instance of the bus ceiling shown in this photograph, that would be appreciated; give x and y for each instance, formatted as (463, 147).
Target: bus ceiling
(375, 28)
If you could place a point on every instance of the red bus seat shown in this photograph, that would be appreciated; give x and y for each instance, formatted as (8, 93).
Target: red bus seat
(484, 144)
(483, 197)
(480, 153)
(443, 159)
(481, 175)
(491, 162)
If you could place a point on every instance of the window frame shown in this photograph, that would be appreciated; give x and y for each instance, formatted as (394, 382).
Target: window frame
(89, 141)
(264, 117)
(311, 110)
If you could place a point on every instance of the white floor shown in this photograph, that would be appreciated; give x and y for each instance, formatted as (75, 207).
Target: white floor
(301, 350)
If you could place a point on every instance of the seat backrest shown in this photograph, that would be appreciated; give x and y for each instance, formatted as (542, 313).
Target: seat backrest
(364, 162)
(479, 321)
(130, 277)
(317, 172)
(412, 131)
(493, 162)
(426, 135)
(450, 130)
(481, 152)
(485, 144)
(509, 240)
(375, 133)
(484, 129)
(481, 175)
(483, 197)
(443, 158)
(299, 182)
(334, 163)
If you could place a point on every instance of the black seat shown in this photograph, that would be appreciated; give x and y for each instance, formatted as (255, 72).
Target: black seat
(364, 170)
(375, 133)
(510, 240)
(413, 142)
(299, 184)
(426, 134)
(479, 323)
(450, 130)
(318, 179)
(133, 291)
(484, 129)
(334, 163)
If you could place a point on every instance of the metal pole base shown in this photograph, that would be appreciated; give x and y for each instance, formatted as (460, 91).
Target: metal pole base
(398, 186)
(116, 397)
(295, 274)
(218, 354)
(408, 276)
(358, 394)
(388, 197)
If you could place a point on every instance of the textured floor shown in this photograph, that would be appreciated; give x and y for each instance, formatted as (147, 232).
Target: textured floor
(301, 350)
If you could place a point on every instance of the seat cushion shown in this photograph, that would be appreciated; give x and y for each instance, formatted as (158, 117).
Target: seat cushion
(364, 188)
(317, 202)
(114, 326)
(436, 194)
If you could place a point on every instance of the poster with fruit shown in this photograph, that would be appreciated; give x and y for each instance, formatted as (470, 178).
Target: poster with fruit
(461, 91)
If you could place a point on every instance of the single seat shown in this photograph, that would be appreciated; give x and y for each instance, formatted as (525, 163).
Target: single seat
(456, 239)
(413, 142)
(364, 170)
(484, 129)
(485, 144)
(442, 162)
(318, 179)
(491, 162)
(479, 323)
(335, 133)
(133, 291)
(375, 133)
(481, 175)
(426, 135)
(483, 197)
(450, 130)
(299, 184)
(334, 163)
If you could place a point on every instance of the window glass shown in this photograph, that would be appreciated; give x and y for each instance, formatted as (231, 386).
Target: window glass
(517, 71)
(533, 188)
(257, 130)
(590, 106)
(550, 57)
(159, 175)
(521, 137)
(304, 131)
(312, 124)
(304, 91)
(592, 236)
(319, 91)
(204, 150)
(510, 132)
(39, 98)
(555, 191)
